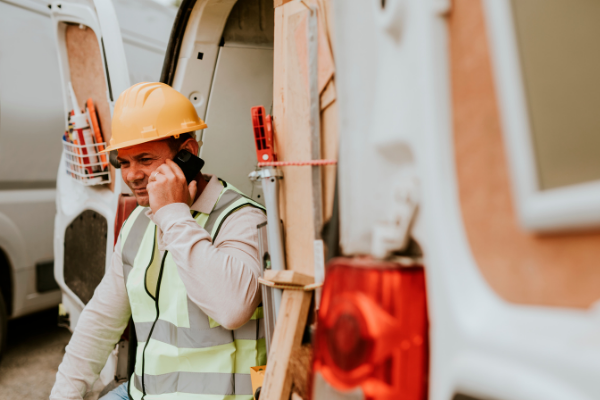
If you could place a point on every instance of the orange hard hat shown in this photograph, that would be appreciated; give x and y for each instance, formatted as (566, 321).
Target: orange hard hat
(150, 111)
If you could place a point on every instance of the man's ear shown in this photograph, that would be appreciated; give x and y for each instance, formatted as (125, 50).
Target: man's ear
(190, 145)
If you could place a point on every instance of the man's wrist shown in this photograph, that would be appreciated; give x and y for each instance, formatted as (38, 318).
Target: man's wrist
(170, 214)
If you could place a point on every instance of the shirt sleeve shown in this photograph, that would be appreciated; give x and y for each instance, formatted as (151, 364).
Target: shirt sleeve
(222, 277)
(98, 330)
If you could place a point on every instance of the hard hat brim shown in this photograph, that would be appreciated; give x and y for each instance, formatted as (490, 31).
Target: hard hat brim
(135, 142)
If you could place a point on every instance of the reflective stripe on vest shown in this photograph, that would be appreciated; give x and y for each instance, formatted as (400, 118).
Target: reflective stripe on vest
(181, 350)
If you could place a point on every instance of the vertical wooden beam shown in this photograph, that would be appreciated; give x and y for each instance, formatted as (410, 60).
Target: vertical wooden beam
(293, 142)
(291, 112)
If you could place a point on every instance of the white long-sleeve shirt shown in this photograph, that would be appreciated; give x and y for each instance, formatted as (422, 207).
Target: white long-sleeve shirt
(221, 278)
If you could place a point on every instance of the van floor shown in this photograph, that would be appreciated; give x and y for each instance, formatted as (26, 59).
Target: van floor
(35, 348)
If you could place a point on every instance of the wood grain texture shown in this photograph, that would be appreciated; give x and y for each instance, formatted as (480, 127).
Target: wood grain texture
(288, 277)
(300, 369)
(291, 108)
(329, 146)
(292, 129)
(86, 69)
(329, 111)
(87, 73)
(287, 338)
(557, 270)
(292, 134)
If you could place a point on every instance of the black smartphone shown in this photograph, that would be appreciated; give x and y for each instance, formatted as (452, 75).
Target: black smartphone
(189, 164)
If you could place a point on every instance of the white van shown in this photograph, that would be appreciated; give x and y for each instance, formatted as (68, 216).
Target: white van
(32, 122)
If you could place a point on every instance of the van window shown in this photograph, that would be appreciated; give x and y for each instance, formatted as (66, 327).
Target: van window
(559, 46)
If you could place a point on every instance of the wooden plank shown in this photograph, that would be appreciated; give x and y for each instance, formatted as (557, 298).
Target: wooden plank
(301, 362)
(288, 338)
(293, 142)
(329, 95)
(329, 148)
(288, 277)
(326, 65)
(292, 135)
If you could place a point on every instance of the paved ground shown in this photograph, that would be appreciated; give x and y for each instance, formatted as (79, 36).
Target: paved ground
(35, 348)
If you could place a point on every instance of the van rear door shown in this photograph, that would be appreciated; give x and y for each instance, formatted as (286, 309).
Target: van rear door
(92, 61)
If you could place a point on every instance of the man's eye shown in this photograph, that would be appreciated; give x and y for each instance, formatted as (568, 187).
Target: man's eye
(144, 160)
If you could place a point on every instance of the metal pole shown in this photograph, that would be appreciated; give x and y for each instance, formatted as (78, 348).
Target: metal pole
(269, 178)
(270, 184)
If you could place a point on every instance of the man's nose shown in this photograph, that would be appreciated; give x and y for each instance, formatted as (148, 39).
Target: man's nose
(134, 174)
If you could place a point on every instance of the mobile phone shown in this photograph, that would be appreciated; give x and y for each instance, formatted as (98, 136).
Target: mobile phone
(189, 164)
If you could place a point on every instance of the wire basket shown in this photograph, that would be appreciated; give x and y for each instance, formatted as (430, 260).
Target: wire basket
(85, 164)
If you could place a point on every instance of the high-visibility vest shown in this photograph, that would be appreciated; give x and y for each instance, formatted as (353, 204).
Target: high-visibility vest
(182, 352)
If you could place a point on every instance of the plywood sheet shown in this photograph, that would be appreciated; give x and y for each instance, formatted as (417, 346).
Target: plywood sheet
(560, 270)
(87, 73)
(86, 68)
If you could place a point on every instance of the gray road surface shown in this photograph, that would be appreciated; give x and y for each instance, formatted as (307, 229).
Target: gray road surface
(35, 348)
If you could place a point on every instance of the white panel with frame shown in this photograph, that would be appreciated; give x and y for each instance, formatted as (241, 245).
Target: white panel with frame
(545, 56)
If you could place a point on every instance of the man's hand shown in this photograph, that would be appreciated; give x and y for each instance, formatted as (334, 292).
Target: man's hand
(167, 185)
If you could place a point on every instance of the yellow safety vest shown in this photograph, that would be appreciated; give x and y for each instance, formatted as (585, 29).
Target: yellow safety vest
(183, 353)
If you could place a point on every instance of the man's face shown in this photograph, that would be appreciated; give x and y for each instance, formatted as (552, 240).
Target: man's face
(137, 164)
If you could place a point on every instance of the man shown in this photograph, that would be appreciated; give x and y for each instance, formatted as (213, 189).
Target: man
(185, 268)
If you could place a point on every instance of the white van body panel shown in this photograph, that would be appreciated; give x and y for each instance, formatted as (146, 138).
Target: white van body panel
(30, 113)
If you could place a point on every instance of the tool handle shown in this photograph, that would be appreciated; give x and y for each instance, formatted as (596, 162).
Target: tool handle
(263, 134)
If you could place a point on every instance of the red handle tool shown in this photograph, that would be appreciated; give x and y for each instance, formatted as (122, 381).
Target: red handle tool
(263, 134)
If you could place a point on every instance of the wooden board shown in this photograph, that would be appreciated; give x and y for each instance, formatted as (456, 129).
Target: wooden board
(552, 270)
(291, 110)
(292, 136)
(287, 338)
(288, 277)
(87, 73)
(300, 369)
(292, 129)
